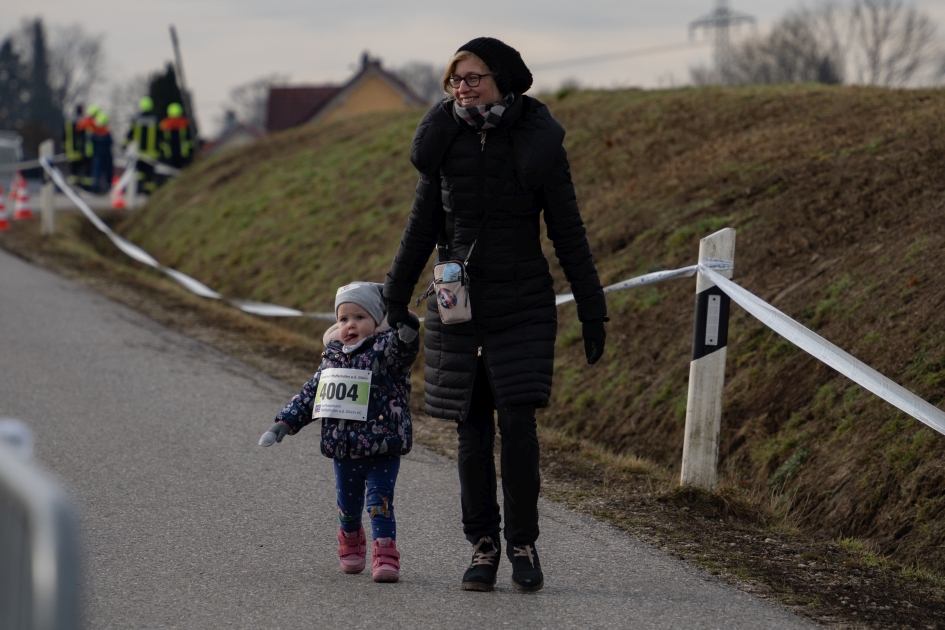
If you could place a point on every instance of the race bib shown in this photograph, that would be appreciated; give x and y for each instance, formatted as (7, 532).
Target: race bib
(343, 394)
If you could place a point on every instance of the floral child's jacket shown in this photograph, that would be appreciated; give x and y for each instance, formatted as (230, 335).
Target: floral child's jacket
(387, 430)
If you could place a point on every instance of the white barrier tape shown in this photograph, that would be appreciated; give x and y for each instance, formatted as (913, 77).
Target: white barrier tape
(128, 174)
(23, 166)
(653, 278)
(159, 167)
(164, 169)
(821, 349)
(194, 286)
(273, 310)
(717, 264)
(639, 281)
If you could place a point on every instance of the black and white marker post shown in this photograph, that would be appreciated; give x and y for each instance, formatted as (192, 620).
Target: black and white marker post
(707, 370)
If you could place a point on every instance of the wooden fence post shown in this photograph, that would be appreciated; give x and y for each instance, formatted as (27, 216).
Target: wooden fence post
(707, 369)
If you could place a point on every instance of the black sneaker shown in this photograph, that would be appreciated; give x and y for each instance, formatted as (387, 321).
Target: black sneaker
(480, 576)
(526, 569)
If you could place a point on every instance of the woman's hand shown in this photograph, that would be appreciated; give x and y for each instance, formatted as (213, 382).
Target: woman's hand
(594, 336)
(396, 313)
(275, 434)
(408, 329)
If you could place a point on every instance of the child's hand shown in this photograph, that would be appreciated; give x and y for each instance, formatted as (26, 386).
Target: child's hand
(275, 434)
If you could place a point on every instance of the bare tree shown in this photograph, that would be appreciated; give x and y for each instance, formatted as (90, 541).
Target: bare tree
(876, 42)
(76, 65)
(804, 47)
(424, 79)
(891, 42)
(76, 61)
(123, 102)
(249, 101)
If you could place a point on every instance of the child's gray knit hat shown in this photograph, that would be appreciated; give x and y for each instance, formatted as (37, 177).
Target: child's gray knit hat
(367, 295)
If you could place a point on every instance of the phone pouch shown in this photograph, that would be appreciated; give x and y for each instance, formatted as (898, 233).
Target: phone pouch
(450, 287)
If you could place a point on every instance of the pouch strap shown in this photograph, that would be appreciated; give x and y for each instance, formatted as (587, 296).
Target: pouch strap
(445, 240)
(430, 291)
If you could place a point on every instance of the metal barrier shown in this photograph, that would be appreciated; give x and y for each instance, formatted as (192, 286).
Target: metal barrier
(12, 167)
(39, 549)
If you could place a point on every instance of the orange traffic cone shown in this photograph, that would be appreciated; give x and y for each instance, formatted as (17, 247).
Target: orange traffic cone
(4, 223)
(118, 195)
(21, 207)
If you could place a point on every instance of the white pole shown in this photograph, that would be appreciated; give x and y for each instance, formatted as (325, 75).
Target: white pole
(707, 369)
(47, 196)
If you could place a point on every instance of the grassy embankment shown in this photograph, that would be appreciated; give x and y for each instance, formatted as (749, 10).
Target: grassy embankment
(837, 196)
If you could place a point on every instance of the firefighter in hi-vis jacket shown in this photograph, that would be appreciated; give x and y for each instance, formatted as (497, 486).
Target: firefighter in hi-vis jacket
(83, 128)
(73, 142)
(143, 134)
(177, 146)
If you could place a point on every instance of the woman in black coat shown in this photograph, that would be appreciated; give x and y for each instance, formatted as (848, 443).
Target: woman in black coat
(491, 161)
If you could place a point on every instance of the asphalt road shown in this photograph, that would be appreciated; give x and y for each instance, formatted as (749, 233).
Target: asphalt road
(187, 523)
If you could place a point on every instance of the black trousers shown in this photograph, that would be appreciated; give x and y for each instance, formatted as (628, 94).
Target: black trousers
(519, 465)
(146, 177)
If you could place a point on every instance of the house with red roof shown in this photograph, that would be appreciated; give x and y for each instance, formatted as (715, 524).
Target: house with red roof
(371, 89)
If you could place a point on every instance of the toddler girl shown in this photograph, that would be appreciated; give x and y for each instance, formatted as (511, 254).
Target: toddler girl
(361, 393)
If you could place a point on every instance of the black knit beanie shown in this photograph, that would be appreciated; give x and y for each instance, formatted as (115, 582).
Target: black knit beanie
(512, 75)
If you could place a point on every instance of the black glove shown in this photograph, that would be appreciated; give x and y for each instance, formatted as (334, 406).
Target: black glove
(408, 329)
(396, 312)
(275, 434)
(594, 336)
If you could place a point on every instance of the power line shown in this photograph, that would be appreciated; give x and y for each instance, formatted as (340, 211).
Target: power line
(637, 52)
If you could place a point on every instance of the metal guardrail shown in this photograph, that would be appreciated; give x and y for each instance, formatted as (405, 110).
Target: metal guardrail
(159, 167)
(39, 549)
(12, 167)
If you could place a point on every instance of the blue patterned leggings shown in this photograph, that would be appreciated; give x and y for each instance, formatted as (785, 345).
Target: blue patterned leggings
(374, 477)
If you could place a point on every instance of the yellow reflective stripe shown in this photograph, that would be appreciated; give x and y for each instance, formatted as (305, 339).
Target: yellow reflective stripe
(71, 153)
(151, 149)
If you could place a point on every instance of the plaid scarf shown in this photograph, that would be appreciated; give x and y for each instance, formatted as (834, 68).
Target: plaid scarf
(482, 117)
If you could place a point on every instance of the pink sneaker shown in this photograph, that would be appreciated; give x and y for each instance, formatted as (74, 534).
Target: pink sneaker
(385, 561)
(352, 548)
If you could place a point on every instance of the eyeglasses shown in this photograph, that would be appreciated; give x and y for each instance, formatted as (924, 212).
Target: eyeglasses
(472, 80)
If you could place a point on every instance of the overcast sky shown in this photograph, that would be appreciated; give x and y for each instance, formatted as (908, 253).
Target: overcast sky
(228, 42)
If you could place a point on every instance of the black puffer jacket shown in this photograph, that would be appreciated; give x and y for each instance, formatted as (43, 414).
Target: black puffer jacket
(514, 314)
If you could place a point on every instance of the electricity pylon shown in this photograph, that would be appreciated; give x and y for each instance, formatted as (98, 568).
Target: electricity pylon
(720, 20)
